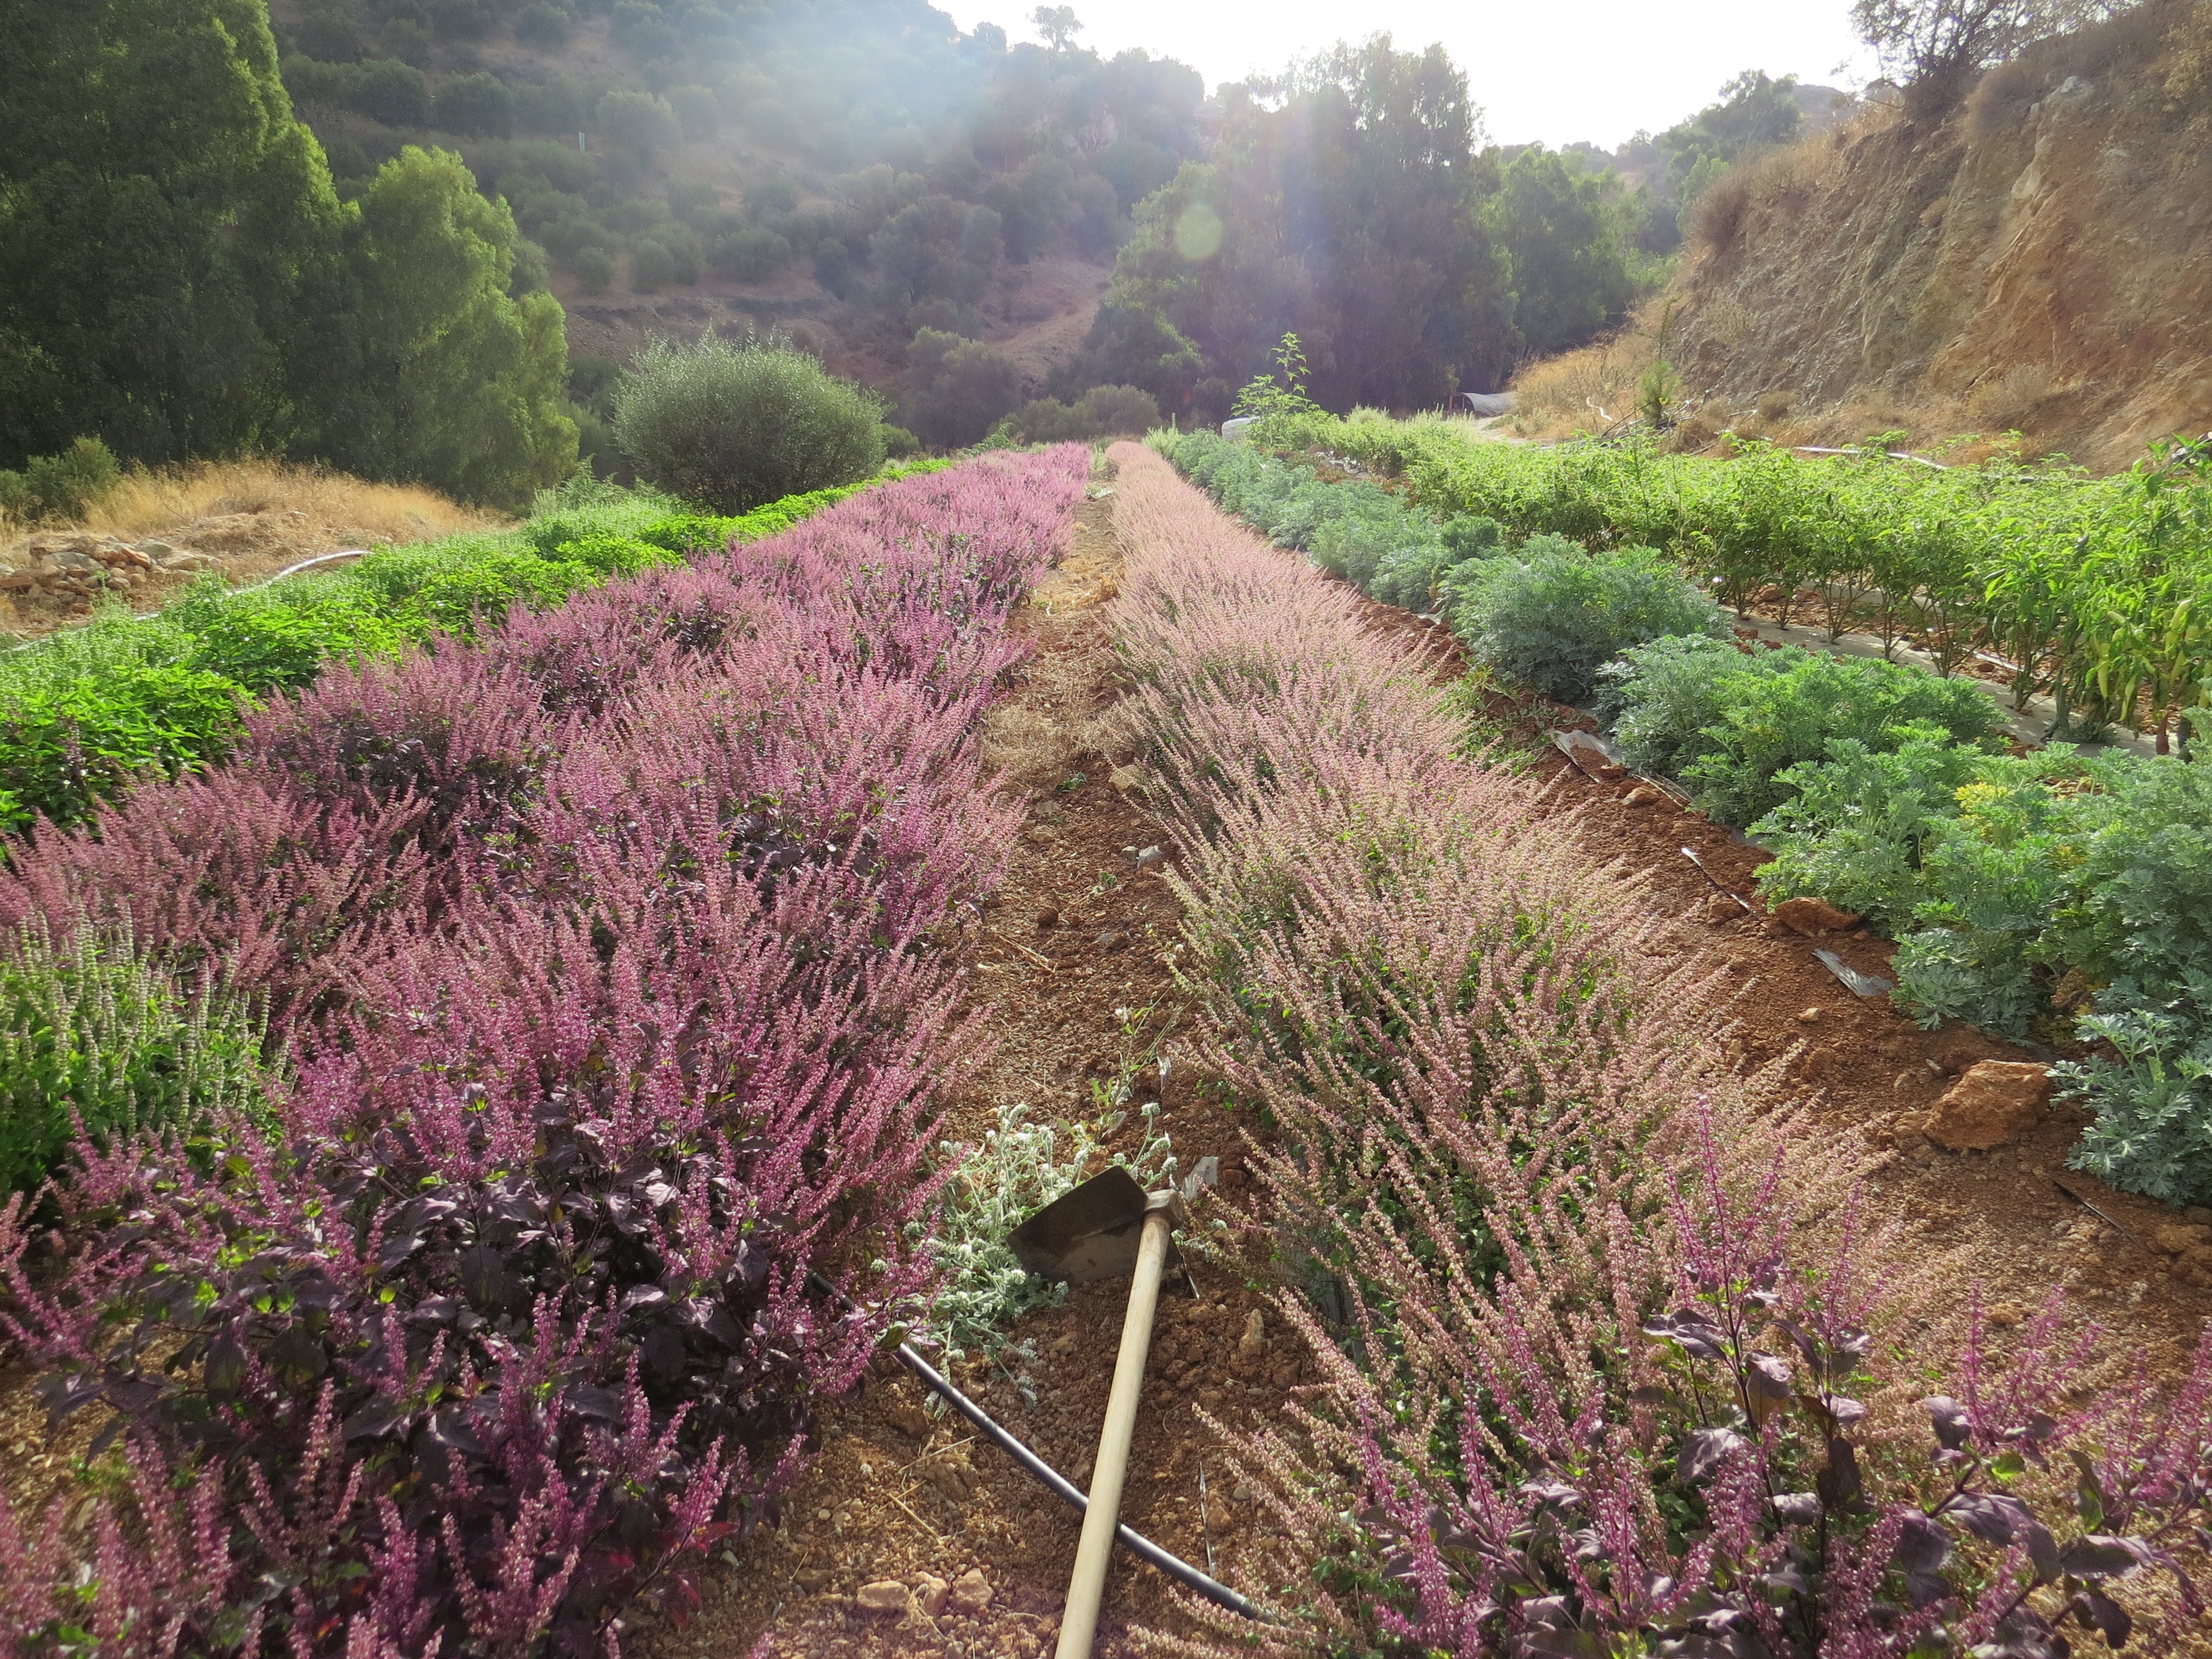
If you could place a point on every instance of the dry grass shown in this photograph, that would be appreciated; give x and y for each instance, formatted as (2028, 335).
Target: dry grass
(146, 503)
(251, 518)
(1587, 389)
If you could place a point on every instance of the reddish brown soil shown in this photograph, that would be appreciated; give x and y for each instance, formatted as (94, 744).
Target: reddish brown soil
(898, 1493)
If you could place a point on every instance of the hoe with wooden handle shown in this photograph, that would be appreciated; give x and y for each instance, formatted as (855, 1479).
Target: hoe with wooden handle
(1107, 1226)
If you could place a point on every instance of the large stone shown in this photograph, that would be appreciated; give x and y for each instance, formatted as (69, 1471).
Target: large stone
(2177, 1237)
(884, 1596)
(971, 1592)
(1812, 916)
(1995, 1100)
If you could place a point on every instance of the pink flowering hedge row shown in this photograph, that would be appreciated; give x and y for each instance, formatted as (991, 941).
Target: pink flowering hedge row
(605, 960)
(1617, 1359)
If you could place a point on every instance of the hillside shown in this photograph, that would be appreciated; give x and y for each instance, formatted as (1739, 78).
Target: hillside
(845, 172)
(2037, 260)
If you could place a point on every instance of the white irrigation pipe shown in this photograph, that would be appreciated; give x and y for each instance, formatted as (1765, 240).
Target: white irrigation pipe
(289, 570)
(1892, 454)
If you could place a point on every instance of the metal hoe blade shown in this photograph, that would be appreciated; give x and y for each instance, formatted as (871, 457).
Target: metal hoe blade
(1087, 1234)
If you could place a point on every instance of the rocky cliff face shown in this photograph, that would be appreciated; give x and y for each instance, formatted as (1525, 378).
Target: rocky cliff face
(2039, 260)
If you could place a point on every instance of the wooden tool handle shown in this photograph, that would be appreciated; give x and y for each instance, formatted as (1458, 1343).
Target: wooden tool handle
(1080, 1623)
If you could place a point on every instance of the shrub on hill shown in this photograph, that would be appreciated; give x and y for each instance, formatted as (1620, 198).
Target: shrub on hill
(1104, 412)
(956, 389)
(738, 424)
(60, 486)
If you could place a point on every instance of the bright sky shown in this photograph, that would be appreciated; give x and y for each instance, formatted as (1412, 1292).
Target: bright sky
(1542, 69)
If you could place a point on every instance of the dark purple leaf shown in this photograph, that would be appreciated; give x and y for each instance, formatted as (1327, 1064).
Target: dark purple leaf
(2098, 1612)
(1992, 1517)
(1922, 1545)
(1704, 1452)
(1839, 1482)
(2103, 1556)
(1948, 1418)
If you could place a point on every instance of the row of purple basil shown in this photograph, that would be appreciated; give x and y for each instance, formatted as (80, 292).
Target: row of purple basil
(605, 958)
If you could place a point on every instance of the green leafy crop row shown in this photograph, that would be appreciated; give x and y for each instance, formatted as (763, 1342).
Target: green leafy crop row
(84, 712)
(2097, 591)
(2062, 895)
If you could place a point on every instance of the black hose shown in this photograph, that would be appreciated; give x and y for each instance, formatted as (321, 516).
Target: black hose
(1060, 1487)
(1135, 1542)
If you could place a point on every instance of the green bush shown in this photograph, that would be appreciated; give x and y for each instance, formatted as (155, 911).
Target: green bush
(1551, 615)
(62, 486)
(956, 389)
(66, 746)
(594, 268)
(1103, 411)
(474, 105)
(386, 90)
(1730, 724)
(93, 1031)
(544, 25)
(651, 267)
(737, 425)
(279, 638)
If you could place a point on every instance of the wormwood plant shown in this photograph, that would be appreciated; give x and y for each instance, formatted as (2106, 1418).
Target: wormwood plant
(1731, 725)
(1018, 1168)
(1551, 615)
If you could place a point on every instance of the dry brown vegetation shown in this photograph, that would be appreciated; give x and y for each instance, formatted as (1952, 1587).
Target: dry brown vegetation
(2033, 263)
(153, 503)
(250, 518)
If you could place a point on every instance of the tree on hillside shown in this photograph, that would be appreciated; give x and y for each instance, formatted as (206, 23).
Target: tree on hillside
(178, 276)
(169, 233)
(1755, 113)
(1057, 24)
(1937, 46)
(1567, 233)
(1347, 213)
(639, 125)
(461, 383)
(936, 249)
(956, 389)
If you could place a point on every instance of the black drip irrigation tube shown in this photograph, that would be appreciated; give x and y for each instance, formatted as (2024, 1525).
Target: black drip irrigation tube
(1058, 1484)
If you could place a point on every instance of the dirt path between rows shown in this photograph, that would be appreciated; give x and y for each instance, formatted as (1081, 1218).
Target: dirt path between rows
(1073, 963)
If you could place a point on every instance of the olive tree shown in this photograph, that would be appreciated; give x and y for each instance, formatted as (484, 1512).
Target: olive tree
(733, 424)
